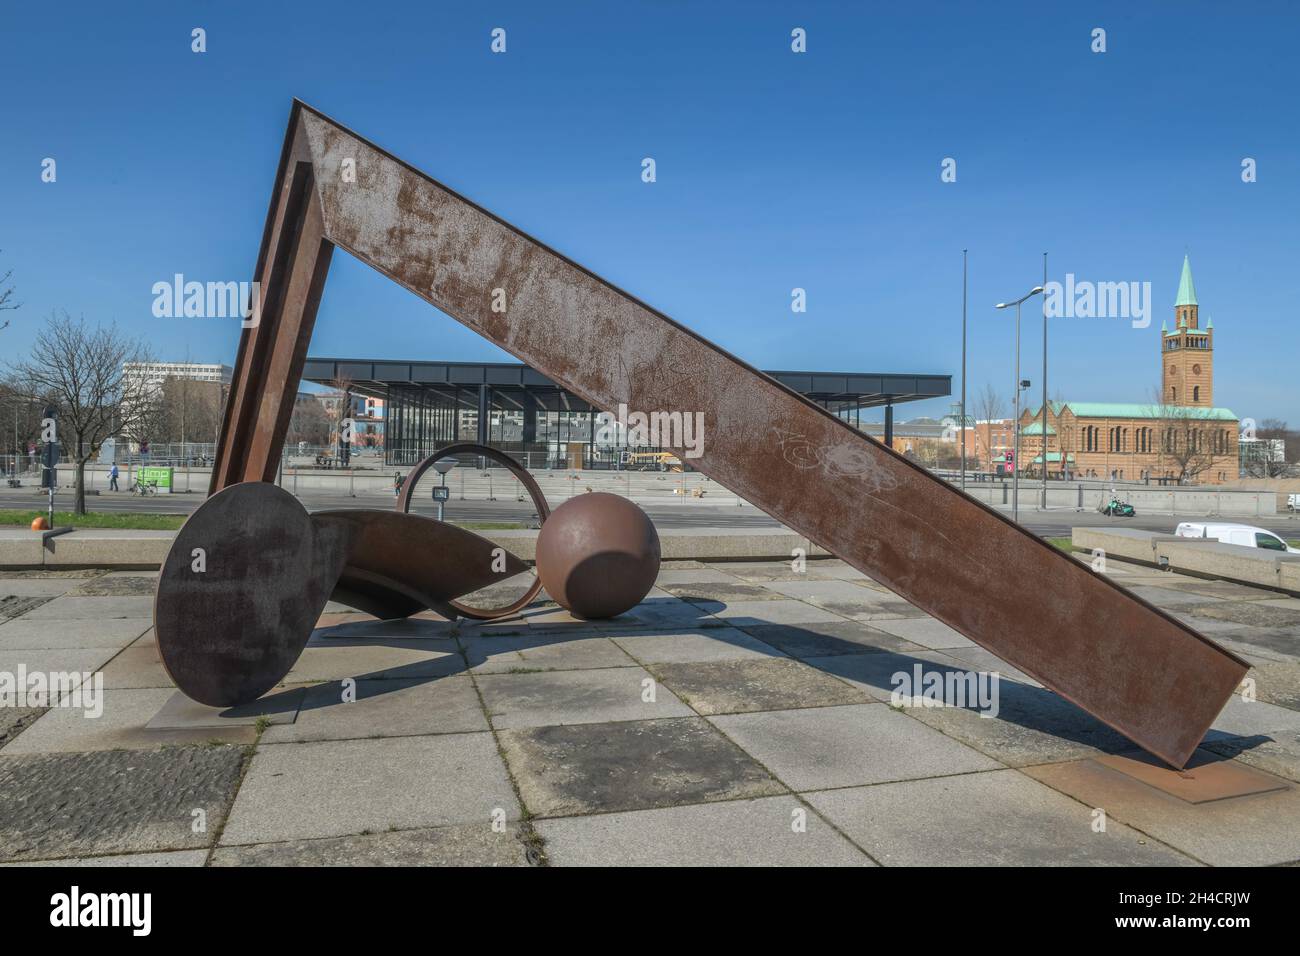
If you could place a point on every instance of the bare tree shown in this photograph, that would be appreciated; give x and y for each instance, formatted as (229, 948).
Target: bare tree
(1185, 439)
(78, 368)
(988, 404)
(7, 303)
(310, 422)
(988, 408)
(342, 436)
(1263, 463)
(193, 409)
(20, 420)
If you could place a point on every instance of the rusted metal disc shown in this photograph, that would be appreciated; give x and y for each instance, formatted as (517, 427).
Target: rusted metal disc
(598, 555)
(239, 593)
(525, 479)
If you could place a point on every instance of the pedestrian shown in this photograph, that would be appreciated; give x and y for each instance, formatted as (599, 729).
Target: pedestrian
(112, 477)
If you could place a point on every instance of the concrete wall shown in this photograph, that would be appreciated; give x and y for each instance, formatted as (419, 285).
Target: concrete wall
(1188, 502)
(1198, 556)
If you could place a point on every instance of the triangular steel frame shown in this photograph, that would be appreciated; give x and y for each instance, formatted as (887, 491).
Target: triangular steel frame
(1126, 662)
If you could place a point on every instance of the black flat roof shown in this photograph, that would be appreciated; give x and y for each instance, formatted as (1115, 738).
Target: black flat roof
(512, 380)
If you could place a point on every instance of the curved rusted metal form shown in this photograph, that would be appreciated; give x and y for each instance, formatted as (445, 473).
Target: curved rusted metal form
(250, 573)
(1132, 666)
(534, 491)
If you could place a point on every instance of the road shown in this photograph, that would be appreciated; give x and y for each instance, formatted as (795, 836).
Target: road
(694, 514)
(667, 515)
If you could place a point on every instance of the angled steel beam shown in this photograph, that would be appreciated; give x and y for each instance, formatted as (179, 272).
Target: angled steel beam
(1126, 662)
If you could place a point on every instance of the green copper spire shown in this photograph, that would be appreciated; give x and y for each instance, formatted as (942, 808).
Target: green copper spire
(1210, 324)
(1186, 290)
(1164, 327)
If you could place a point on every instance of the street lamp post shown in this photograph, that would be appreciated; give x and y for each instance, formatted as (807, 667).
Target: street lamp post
(962, 423)
(1015, 424)
(442, 467)
(1059, 443)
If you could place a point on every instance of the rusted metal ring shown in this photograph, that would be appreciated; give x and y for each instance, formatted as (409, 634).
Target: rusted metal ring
(534, 490)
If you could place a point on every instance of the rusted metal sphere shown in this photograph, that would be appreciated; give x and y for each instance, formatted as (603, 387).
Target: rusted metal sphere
(598, 555)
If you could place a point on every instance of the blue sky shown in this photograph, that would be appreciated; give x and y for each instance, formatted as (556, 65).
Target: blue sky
(775, 170)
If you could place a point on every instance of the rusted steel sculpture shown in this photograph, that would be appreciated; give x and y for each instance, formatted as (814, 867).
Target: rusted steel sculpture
(598, 555)
(525, 479)
(250, 572)
(1129, 664)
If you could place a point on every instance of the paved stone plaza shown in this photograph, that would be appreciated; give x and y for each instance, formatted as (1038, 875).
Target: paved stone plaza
(740, 715)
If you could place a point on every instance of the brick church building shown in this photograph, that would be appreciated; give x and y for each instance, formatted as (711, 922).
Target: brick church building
(1183, 437)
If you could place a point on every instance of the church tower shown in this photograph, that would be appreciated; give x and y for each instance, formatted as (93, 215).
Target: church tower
(1187, 353)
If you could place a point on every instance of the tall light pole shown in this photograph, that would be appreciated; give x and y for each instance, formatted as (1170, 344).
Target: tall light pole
(962, 433)
(1059, 443)
(1015, 423)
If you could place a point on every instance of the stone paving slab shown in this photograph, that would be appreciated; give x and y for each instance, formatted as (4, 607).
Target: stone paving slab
(341, 787)
(119, 584)
(25, 634)
(694, 576)
(998, 818)
(925, 631)
(738, 686)
(137, 666)
(12, 606)
(508, 653)
(1170, 597)
(36, 587)
(166, 858)
(1274, 643)
(829, 638)
(661, 612)
(92, 608)
(827, 747)
(182, 713)
(76, 661)
(121, 726)
(354, 627)
(822, 593)
(758, 832)
(473, 844)
(678, 647)
(66, 805)
(1247, 831)
(721, 592)
(630, 765)
(1032, 726)
(575, 697)
(1289, 604)
(384, 708)
(1222, 589)
(745, 613)
(386, 659)
(875, 670)
(14, 720)
(988, 662)
(1277, 682)
(1253, 613)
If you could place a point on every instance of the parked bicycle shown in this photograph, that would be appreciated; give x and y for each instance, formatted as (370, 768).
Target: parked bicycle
(144, 488)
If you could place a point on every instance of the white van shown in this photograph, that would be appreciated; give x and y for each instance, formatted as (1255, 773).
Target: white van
(1243, 534)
